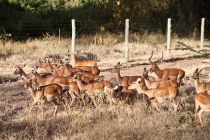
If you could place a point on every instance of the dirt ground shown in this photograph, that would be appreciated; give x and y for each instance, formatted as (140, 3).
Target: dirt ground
(14, 100)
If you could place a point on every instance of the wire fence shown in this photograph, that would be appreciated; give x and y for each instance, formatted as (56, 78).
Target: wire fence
(24, 29)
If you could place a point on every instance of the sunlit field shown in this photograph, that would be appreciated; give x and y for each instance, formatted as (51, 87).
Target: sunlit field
(116, 122)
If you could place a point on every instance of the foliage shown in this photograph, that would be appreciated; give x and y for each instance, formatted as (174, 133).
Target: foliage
(32, 18)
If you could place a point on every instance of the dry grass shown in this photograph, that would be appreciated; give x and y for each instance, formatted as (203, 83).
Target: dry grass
(106, 122)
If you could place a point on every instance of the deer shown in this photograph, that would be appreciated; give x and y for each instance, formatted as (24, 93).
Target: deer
(202, 100)
(75, 63)
(45, 65)
(91, 88)
(92, 69)
(125, 80)
(157, 95)
(63, 81)
(19, 70)
(168, 73)
(158, 84)
(51, 92)
(203, 87)
(125, 94)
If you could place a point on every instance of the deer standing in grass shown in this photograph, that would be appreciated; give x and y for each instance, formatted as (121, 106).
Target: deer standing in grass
(203, 87)
(51, 92)
(91, 88)
(157, 95)
(168, 73)
(158, 84)
(124, 80)
(63, 81)
(202, 100)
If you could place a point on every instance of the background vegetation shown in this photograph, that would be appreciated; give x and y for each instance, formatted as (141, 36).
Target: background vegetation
(21, 19)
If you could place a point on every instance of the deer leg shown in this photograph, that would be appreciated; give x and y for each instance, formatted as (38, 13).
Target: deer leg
(42, 106)
(32, 105)
(199, 116)
(81, 96)
(72, 96)
(196, 110)
(56, 107)
(154, 101)
(175, 105)
(94, 100)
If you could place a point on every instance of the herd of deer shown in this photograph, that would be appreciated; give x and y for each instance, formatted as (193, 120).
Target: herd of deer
(79, 76)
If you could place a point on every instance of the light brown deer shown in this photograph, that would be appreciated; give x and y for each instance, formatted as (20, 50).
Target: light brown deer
(92, 69)
(158, 84)
(75, 63)
(125, 94)
(203, 87)
(19, 70)
(124, 80)
(202, 100)
(157, 95)
(168, 73)
(45, 65)
(63, 81)
(91, 88)
(52, 92)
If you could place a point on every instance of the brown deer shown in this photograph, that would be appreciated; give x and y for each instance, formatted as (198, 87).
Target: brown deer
(125, 80)
(202, 100)
(158, 84)
(75, 63)
(157, 95)
(168, 73)
(52, 92)
(203, 87)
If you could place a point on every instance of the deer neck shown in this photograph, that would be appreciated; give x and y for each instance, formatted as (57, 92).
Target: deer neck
(197, 84)
(147, 82)
(73, 60)
(22, 73)
(118, 77)
(43, 80)
(81, 85)
(159, 72)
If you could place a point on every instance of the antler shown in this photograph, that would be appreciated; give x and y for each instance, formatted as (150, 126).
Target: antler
(202, 69)
(156, 60)
(150, 58)
(160, 58)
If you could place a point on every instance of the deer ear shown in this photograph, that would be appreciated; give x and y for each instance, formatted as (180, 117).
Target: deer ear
(23, 77)
(138, 80)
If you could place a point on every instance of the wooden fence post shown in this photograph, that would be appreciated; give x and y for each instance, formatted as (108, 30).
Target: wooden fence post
(73, 47)
(202, 33)
(169, 37)
(126, 40)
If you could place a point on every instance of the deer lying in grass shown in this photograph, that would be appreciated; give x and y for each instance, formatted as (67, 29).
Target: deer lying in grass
(202, 100)
(76, 63)
(125, 80)
(92, 69)
(203, 87)
(52, 92)
(63, 81)
(91, 88)
(157, 95)
(158, 84)
(168, 73)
